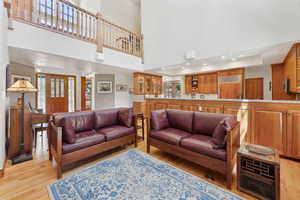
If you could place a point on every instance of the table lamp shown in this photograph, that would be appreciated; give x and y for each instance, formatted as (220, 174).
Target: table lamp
(22, 86)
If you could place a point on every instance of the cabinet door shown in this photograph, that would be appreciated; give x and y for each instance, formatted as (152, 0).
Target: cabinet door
(212, 84)
(293, 134)
(148, 85)
(188, 84)
(139, 84)
(269, 128)
(211, 108)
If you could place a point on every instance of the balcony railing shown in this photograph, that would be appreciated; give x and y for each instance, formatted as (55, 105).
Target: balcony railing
(63, 17)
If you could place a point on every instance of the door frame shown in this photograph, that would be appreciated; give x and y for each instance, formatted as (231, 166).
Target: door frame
(83, 80)
(62, 75)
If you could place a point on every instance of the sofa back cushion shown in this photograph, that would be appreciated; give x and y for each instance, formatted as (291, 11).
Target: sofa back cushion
(104, 118)
(73, 123)
(180, 119)
(125, 117)
(220, 132)
(159, 120)
(205, 123)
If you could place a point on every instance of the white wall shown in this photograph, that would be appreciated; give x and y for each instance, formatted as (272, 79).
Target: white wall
(214, 27)
(3, 63)
(91, 5)
(123, 99)
(125, 13)
(264, 72)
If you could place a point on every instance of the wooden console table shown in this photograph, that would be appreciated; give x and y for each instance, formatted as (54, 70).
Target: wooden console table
(15, 129)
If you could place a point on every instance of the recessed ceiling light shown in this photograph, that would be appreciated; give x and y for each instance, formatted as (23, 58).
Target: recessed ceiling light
(182, 68)
(223, 57)
(204, 64)
(241, 55)
(233, 59)
(187, 63)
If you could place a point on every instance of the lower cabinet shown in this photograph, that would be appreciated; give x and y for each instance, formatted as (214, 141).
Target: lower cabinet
(269, 128)
(293, 134)
(211, 108)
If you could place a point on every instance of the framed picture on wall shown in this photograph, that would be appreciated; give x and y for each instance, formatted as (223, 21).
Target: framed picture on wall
(122, 87)
(104, 86)
(15, 78)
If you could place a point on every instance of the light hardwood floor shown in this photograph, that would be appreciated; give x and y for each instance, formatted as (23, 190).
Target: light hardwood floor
(29, 180)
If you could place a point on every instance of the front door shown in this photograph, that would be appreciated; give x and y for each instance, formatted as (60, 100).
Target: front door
(56, 93)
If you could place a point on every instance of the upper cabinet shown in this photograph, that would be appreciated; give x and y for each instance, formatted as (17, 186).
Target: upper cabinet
(201, 84)
(147, 84)
(231, 83)
(291, 66)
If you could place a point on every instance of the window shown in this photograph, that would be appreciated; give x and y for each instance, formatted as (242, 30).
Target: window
(46, 6)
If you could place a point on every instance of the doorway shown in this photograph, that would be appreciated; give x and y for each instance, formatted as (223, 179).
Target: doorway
(86, 93)
(254, 88)
(56, 93)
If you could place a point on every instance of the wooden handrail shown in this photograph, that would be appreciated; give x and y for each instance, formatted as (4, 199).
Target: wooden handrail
(71, 20)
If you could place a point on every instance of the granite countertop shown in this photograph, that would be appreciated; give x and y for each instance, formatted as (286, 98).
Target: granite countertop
(236, 100)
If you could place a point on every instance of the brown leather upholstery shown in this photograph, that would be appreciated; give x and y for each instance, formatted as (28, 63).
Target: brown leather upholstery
(205, 123)
(170, 135)
(180, 119)
(125, 117)
(203, 144)
(83, 140)
(74, 123)
(219, 134)
(104, 118)
(116, 131)
(159, 120)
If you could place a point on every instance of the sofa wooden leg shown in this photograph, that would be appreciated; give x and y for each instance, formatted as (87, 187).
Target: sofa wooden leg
(59, 171)
(135, 141)
(148, 147)
(229, 180)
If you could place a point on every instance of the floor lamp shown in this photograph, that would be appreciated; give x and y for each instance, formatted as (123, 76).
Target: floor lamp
(22, 86)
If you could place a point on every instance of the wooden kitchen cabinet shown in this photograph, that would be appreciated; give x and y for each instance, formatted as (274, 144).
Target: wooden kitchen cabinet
(208, 83)
(139, 84)
(293, 134)
(147, 84)
(211, 108)
(201, 84)
(291, 67)
(269, 127)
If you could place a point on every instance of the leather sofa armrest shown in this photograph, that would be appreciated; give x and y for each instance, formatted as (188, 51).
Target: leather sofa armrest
(233, 143)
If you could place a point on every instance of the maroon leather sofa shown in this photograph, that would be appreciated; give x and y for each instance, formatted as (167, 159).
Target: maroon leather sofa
(210, 140)
(78, 135)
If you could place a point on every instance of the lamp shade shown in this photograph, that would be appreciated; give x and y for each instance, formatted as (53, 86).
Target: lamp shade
(22, 86)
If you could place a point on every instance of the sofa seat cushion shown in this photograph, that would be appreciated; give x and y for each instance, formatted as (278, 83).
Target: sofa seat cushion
(170, 135)
(83, 140)
(116, 131)
(203, 144)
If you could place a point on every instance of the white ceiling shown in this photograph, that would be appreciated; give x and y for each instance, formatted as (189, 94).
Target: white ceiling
(246, 58)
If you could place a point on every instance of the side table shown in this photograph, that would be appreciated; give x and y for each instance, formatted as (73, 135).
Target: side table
(258, 174)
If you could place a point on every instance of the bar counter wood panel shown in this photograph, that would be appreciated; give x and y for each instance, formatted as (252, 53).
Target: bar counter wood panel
(269, 124)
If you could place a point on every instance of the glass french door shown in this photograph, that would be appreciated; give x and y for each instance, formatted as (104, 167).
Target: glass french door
(56, 93)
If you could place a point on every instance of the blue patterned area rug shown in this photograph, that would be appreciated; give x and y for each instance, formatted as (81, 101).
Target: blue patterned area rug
(135, 175)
